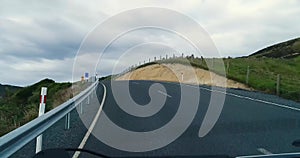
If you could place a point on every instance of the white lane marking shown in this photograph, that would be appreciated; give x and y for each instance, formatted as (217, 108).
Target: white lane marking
(272, 155)
(88, 133)
(164, 93)
(264, 151)
(253, 99)
(135, 83)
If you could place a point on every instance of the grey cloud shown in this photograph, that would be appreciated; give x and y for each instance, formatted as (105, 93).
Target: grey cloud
(38, 39)
(45, 31)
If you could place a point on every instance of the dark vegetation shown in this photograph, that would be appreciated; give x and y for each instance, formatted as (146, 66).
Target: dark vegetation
(21, 106)
(7, 90)
(288, 49)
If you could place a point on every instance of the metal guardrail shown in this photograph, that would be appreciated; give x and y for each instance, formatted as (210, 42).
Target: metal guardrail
(16, 139)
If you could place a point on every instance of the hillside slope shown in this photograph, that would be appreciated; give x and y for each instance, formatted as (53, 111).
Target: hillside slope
(288, 49)
(263, 73)
(7, 89)
(21, 106)
(172, 73)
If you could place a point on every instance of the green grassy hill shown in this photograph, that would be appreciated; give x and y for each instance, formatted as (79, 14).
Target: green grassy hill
(288, 49)
(264, 68)
(265, 65)
(262, 72)
(4, 89)
(21, 106)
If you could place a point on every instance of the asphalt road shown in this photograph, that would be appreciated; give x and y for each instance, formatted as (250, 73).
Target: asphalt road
(248, 124)
(251, 123)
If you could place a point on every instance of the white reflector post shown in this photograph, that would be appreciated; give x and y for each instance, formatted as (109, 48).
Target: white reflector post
(181, 76)
(39, 139)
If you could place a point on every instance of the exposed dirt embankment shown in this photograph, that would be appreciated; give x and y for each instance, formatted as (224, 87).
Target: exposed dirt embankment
(181, 73)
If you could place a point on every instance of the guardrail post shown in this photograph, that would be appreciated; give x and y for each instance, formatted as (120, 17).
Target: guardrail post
(80, 106)
(39, 139)
(67, 122)
(94, 93)
(88, 99)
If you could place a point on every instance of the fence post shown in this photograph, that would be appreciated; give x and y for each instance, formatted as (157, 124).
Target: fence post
(278, 85)
(227, 68)
(247, 77)
(39, 139)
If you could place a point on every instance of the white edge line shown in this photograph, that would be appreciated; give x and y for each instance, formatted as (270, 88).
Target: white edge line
(271, 155)
(88, 133)
(164, 93)
(253, 99)
(264, 151)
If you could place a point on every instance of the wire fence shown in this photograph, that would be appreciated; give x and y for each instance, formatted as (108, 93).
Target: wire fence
(255, 75)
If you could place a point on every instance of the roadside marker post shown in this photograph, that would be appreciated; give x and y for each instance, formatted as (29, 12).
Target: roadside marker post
(39, 139)
(181, 76)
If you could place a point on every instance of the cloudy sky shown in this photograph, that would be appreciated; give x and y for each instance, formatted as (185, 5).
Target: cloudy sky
(40, 39)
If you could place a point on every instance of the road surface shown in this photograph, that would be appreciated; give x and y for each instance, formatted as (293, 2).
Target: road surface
(247, 125)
